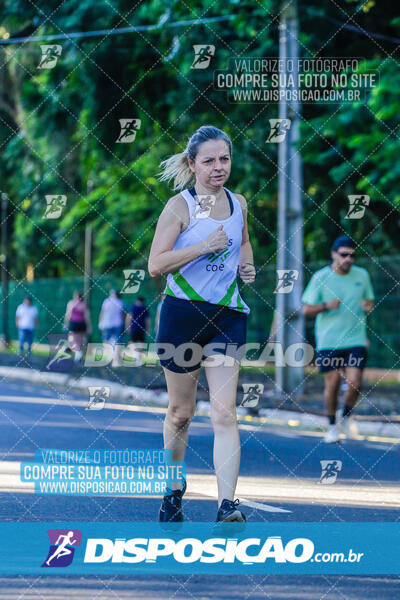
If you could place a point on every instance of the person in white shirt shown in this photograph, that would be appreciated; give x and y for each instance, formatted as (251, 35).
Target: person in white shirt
(111, 318)
(26, 318)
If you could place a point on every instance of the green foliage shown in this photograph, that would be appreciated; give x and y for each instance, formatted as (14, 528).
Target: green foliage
(60, 126)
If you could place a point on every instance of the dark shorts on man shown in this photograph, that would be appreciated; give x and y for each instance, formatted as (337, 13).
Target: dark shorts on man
(338, 358)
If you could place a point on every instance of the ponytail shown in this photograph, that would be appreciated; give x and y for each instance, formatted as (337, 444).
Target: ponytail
(176, 167)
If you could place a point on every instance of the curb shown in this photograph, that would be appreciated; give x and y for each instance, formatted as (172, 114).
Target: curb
(138, 395)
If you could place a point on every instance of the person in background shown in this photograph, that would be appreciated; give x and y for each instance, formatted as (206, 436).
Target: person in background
(340, 295)
(124, 314)
(138, 321)
(77, 320)
(112, 318)
(26, 318)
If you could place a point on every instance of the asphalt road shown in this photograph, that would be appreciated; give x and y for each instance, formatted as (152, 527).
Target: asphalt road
(280, 470)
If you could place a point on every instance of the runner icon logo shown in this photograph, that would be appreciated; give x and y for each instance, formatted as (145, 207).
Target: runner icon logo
(330, 470)
(279, 129)
(357, 206)
(129, 127)
(62, 547)
(133, 279)
(55, 205)
(204, 205)
(202, 56)
(60, 354)
(50, 55)
(251, 394)
(97, 397)
(286, 280)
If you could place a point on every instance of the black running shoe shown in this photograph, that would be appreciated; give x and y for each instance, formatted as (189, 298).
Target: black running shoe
(171, 507)
(228, 511)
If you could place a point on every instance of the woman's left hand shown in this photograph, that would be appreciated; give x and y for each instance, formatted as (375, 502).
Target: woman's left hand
(247, 272)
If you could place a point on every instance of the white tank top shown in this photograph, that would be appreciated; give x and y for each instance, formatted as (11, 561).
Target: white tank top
(211, 277)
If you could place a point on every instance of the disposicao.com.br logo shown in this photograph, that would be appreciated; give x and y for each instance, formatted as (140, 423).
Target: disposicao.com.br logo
(203, 547)
(200, 547)
(214, 550)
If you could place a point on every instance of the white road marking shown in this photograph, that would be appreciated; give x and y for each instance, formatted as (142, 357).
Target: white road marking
(283, 490)
(265, 507)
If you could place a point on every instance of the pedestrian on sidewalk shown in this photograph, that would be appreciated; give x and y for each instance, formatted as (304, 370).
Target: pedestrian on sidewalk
(138, 321)
(112, 318)
(26, 318)
(77, 320)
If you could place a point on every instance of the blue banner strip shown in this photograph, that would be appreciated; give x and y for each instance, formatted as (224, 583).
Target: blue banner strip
(118, 547)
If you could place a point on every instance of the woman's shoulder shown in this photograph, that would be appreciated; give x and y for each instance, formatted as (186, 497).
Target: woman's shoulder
(242, 201)
(176, 201)
(176, 207)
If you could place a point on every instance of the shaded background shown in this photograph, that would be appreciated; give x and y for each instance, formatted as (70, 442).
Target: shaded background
(59, 127)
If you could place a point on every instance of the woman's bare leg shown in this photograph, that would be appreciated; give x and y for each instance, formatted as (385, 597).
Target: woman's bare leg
(182, 389)
(75, 341)
(222, 383)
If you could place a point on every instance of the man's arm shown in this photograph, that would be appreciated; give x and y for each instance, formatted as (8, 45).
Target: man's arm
(368, 306)
(312, 297)
(312, 310)
(369, 296)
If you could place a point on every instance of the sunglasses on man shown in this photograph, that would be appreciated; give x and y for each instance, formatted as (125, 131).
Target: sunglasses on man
(346, 254)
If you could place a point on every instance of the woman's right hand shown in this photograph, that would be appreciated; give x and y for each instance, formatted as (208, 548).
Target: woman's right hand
(217, 240)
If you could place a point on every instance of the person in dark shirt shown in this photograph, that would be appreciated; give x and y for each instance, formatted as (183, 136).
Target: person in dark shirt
(138, 320)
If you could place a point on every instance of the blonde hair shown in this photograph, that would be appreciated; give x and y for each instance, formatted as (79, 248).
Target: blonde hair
(176, 167)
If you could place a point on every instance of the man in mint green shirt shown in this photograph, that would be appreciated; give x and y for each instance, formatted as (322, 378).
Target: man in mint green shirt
(340, 296)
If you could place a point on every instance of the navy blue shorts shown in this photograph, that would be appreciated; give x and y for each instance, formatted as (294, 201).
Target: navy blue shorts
(187, 322)
(332, 360)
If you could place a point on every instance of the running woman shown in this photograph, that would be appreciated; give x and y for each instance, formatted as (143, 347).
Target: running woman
(340, 296)
(201, 241)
